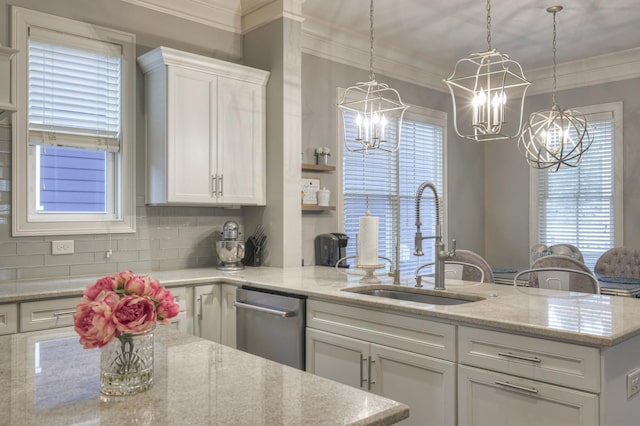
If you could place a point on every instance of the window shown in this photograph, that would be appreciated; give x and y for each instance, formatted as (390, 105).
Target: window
(385, 184)
(582, 206)
(73, 134)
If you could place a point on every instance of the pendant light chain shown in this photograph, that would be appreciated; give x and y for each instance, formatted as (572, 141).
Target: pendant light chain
(554, 57)
(372, 76)
(488, 25)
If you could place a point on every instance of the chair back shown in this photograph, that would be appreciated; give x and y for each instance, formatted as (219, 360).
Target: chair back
(555, 278)
(560, 272)
(567, 250)
(619, 262)
(456, 270)
(468, 257)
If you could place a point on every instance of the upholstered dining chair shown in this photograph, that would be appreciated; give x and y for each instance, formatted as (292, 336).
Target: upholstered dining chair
(561, 272)
(465, 265)
(567, 250)
(468, 265)
(619, 262)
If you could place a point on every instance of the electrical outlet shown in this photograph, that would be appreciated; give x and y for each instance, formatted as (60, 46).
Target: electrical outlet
(62, 247)
(633, 383)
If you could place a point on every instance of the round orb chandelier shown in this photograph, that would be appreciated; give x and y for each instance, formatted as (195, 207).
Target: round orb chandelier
(555, 138)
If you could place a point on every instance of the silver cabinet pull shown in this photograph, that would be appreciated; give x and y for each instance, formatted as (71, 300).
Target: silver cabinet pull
(363, 359)
(517, 387)
(521, 357)
(221, 185)
(284, 314)
(371, 367)
(214, 186)
(200, 308)
(64, 313)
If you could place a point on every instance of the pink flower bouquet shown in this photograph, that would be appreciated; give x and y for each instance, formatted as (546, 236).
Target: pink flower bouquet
(123, 304)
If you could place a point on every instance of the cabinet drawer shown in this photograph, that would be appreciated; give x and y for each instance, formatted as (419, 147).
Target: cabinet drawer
(8, 318)
(490, 398)
(398, 331)
(44, 314)
(549, 361)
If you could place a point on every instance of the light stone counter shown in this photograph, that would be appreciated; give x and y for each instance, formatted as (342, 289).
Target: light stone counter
(47, 378)
(596, 320)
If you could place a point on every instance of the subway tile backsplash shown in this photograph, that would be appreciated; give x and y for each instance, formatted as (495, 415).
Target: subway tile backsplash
(166, 238)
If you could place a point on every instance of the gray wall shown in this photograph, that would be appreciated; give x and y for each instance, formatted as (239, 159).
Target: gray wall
(166, 237)
(507, 175)
(465, 160)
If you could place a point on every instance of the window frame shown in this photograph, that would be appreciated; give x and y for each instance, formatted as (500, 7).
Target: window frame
(615, 108)
(416, 113)
(125, 204)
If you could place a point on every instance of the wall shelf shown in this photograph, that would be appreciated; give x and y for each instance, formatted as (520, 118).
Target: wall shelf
(315, 208)
(317, 167)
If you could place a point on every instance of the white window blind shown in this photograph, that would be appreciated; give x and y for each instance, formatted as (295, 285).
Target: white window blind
(74, 91)
(576, 205)
(386, 183)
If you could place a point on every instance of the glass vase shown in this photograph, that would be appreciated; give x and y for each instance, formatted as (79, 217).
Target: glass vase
(322, 160)
(126, 364)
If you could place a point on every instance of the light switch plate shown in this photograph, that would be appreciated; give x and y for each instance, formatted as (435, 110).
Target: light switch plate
(633, 383)
(62, 247)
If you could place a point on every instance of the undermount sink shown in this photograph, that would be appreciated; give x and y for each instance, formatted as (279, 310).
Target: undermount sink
(430, 297)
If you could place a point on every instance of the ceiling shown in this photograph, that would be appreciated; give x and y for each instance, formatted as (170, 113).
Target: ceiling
(434, 34)
(420, 40)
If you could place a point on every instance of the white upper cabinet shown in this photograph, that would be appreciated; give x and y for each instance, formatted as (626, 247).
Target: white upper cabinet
(7, 88)
(205, 130)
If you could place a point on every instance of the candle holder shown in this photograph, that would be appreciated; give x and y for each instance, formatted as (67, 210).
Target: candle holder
(369, 276)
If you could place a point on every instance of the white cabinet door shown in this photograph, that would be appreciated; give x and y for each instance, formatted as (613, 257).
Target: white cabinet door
(241, 147)
(338, 358)
(207, 312)
(184, 320)
(8, 318)
(191, 146)
(495, 399)
(228, 315)
(427, 385)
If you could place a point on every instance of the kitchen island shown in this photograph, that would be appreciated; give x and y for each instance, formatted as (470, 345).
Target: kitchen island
(47, 378)
(541, 356)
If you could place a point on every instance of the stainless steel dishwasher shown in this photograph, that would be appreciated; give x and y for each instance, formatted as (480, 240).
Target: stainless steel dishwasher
(271, 324)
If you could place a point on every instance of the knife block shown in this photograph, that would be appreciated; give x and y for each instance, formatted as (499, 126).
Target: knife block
(252, 253)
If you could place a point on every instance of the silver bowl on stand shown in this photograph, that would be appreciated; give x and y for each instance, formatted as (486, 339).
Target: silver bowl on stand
(230, 254)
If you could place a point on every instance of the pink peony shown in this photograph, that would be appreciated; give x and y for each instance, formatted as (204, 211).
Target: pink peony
(167, 306)
(93, 320)
(134, 314)
(103, 284)
(123, 277)
(139, 285)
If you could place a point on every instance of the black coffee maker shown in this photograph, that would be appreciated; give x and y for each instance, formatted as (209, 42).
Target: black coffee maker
(330, 248)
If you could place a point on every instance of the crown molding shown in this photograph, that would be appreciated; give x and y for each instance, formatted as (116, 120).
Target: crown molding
(614, 66)
(264, 13)
(222, 14)
(351, 49)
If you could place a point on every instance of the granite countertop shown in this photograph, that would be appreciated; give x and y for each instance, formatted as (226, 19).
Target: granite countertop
(49, 379)
(589, 319)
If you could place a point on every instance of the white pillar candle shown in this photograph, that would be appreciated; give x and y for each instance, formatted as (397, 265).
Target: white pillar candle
(368, 235)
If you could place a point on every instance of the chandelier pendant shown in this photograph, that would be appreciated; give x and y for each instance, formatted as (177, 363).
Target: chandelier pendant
(374, 110)
(555, 138)
(488, 91)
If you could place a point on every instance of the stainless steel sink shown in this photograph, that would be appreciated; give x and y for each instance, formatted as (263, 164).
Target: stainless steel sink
(415, 295)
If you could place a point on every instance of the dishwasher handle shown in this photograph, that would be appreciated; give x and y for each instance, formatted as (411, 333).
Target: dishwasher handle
(283, 314)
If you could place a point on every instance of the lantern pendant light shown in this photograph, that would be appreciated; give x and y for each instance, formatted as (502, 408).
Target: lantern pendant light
(488, 91)
(372, 112)
(555, 138)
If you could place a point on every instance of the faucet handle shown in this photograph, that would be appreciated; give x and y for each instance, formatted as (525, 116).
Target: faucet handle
(453, 250)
